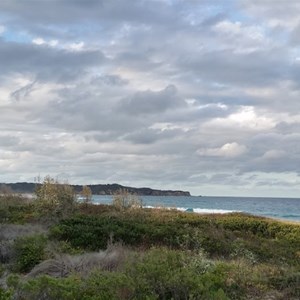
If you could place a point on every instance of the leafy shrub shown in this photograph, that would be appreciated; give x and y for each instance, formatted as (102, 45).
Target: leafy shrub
(241, 251)
(93, 233)
(289, 283)
(218, 236)
(5, 294)
(156, 274)
(10, 232)
(29, 251)
(46, 287)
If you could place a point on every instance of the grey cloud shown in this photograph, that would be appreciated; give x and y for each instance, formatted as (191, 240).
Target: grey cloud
(211, 21)
(154, 82)
(44, 62)
(277, 183)
(9, 141)
(82, 110)
(294, 37)
(109, 79)
(252, 69)
(286, 128)
(149, 136)
(78, 11)
(137, 60)
(271, 9)
(23, 92)
(149, 102)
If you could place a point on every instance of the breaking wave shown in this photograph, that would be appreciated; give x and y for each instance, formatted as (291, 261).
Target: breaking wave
(195, 210)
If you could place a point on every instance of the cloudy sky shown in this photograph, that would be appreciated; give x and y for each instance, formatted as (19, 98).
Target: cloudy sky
(198, 95)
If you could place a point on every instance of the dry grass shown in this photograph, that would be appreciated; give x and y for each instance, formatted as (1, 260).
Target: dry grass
(64, 265)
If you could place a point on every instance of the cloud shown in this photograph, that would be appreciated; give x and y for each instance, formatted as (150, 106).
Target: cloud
(23, 92)
(229, 150)
(169, 94)
(2, 29)
(46, 63)
(275, 14)
(150, 135)
(149, 102)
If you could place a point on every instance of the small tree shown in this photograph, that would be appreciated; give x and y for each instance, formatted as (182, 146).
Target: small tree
(123, 199)
(86, 193)
(54, 200)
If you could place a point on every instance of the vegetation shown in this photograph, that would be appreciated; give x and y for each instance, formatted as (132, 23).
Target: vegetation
(122, 251)
(122, 200)
(86, 193)
(54, 200)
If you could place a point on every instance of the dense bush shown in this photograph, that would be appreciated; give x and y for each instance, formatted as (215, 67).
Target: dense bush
(6, 294)
(10, 232)
(217, 236)
(29, 251)
(19, 214)
(93, 233)
(166, 255)
(156, 274)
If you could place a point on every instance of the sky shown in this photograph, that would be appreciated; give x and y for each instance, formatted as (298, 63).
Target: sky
(197, 95)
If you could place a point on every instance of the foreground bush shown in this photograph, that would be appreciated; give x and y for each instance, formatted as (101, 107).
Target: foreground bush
(164, 274)
(29, 251)
(172, 255)
(9, 233)
(218, 236)
(157, 274)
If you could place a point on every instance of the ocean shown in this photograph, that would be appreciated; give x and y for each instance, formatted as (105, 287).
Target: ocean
(278, 208)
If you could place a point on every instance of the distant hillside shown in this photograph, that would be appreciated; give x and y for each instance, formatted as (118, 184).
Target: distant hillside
(101, 189)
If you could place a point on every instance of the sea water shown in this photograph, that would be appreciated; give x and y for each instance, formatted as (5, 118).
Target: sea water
(279, 208)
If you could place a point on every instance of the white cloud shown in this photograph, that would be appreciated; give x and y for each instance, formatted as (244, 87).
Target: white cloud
(237, 29)
(76, 46)
(274, 13)
(38, 41)
(41, 41)
(229, 150)
(2, 29)
(274, 154)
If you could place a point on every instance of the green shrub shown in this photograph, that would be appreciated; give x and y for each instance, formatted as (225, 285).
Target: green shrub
(218, 236)
(6, 294)
(289, 283)
(155, 274)
(170, 274)
(46, 287)
(29, 251)
(110, 285)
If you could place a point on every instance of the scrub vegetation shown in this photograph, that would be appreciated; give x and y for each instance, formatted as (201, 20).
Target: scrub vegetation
(54, 247)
